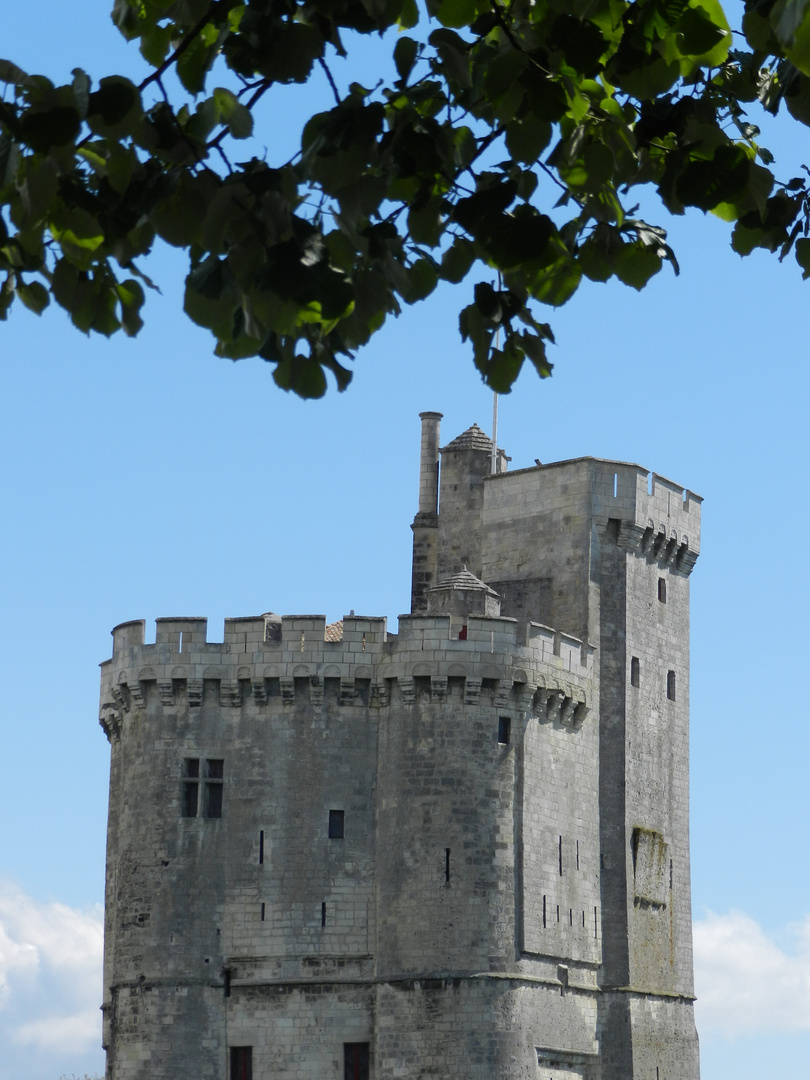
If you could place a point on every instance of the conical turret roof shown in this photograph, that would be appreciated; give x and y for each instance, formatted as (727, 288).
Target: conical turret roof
(471, 439)
(463, 579)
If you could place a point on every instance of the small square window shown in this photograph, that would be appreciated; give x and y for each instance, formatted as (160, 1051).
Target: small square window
(504, 724)
(662, 590)
(241, 1063)
(355, 1061)
(336, 824)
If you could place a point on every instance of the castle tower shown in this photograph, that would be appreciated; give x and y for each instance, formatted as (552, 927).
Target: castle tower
(458, 851)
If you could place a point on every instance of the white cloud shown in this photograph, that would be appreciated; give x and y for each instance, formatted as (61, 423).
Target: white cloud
(50, 973)
(745, 982)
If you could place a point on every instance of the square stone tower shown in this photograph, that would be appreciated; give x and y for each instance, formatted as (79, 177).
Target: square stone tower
(459, 851)
(601, 550)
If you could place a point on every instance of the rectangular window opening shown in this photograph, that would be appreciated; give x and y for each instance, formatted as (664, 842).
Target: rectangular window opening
(615, 484)
(577, 854)
(447, 865)
(355, 1061)
(594, 922)
(214, 773)
(261, 846)
(544, 911)
(191, 769)
(558, 912)
(336, 824)
(635, 671)
(671, 685)
(241, 1063)
(504, 724)
(262, 912)
(662, 590)
(323, 913)
(560, 856)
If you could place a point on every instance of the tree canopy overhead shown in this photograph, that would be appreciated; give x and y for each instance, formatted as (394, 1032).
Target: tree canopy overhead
(505, 154)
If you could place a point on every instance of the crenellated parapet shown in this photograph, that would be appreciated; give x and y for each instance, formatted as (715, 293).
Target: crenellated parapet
(271, 661)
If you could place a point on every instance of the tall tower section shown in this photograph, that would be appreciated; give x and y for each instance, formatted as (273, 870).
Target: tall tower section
(604, 550)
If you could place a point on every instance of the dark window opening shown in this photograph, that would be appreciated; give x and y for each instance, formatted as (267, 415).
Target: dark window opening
(212, 774)
(262, 912)
(191, 769)
(662, 590)
(355, 1061)
(189, 800)
(241, 1063)
(671, 685)
(447, 865)
(560, 857)
(336, 824)
(462, 634)
(504, 724)
(544, 911)
(635, 671)
(323, 913)
(261, 845)
(577, 854)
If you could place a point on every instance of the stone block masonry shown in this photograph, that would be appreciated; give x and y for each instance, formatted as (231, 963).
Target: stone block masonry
(460, 850)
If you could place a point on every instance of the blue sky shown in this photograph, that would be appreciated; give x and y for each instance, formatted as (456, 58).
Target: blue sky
(148, 478)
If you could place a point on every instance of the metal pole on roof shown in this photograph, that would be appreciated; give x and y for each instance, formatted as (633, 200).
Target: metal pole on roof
(494, 462)
(494, 433)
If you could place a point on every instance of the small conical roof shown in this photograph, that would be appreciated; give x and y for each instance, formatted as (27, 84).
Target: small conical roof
(463, 579)
(471, 439)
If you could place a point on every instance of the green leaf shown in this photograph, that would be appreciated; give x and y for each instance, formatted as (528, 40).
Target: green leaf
(423, 280)
(457, 260)
(457, 13)
(45, 128)
(526, 139)
(803, 256)
(34, 295)
(114, 110)
(405, 52)
(10, 73)
(237, 116)
(636, 263)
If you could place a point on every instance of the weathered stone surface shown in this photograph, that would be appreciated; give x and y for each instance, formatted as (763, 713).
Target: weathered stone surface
(465, 845)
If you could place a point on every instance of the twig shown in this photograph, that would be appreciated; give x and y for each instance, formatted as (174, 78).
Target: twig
(323, 64)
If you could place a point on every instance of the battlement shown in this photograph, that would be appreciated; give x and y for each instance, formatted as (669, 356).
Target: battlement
(290, 658)
(658, 518)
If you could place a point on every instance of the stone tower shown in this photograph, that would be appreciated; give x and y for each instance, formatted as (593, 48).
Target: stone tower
(460, 851)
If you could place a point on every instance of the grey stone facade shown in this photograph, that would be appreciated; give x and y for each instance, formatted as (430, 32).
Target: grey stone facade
(462, 850)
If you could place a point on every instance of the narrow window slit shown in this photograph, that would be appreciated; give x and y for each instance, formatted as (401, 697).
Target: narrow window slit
(323, 913)
(577, 854)
(662, 590)
(560, 856)
(447, 865)
(635, 671)
(544, 911)
(504, 725)
(261, 846)
(262, 913)
(671, 685)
